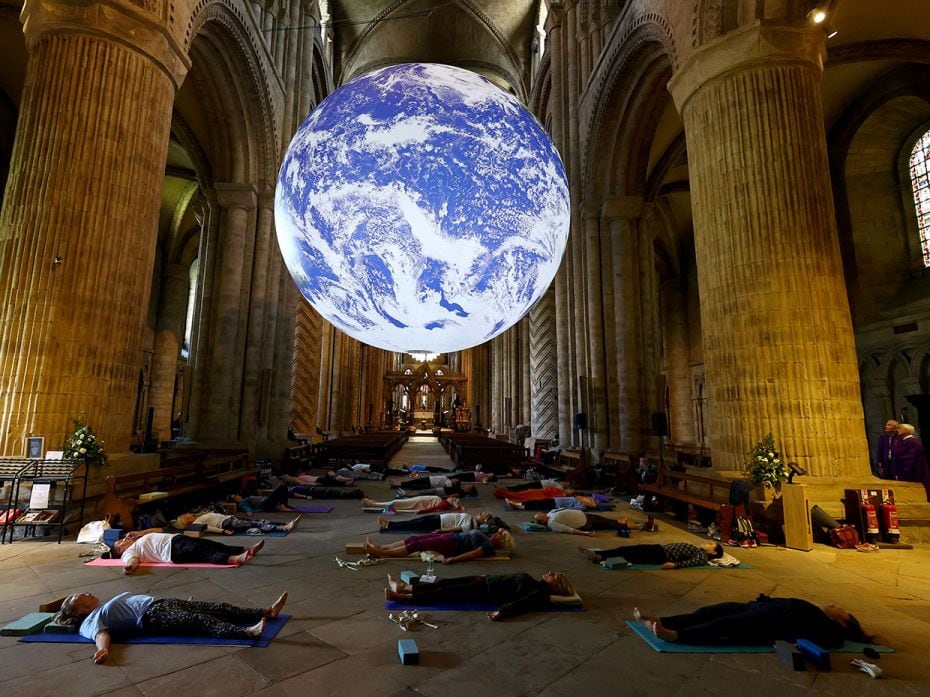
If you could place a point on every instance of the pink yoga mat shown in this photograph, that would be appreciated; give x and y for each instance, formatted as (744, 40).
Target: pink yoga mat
(119, 562)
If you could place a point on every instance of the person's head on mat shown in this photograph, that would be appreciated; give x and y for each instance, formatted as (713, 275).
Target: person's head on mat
(502, 539)
(468, 489)
(76, 607)
(713, 550)
(760, 621)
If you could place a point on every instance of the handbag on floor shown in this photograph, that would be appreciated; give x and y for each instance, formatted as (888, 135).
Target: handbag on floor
(844, 537)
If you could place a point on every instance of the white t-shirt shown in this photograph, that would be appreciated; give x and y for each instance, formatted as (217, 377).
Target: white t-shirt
(437, 480)
(566, 520)
(213, 521)
(155, 546)
(450, 521)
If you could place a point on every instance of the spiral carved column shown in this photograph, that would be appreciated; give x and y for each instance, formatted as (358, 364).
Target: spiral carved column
(778, 340)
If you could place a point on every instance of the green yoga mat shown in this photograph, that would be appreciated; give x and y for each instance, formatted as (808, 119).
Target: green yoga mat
(662, 646)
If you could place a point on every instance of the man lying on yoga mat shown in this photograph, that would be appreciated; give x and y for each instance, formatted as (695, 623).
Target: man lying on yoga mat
(677, 555)
(453, 546)
(443, 522)
(224, 524)
(759, 622)
(153, 545)
(325, 479)
(422, 504)
(513, 594)
(275, 501)
(575, 522)
(325, 492)
(128, 614)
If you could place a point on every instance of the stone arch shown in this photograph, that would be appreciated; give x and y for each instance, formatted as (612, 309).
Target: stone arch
(232, 75)
(631, 90)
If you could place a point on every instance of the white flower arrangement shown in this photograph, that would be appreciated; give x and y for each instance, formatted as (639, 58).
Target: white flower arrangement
(82, 444)
(766, 466)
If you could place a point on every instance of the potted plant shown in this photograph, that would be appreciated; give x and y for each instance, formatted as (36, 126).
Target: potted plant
(766, 466)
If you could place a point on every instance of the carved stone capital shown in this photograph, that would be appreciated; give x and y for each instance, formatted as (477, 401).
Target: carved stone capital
(123, 22)
(621, 207)
(754, 46)
(241, 196)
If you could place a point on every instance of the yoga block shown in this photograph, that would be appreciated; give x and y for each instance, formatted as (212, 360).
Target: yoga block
(409, 576)
(408, 652)
(52, 605)
(193, 533)
(355, 548)
(111, 535)
(197, 527)
(789, 655)
(817, 655)
(32, 622)
(55, 628)
(615, 563)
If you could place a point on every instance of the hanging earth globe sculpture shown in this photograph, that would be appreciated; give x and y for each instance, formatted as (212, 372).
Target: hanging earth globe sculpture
(421, 208)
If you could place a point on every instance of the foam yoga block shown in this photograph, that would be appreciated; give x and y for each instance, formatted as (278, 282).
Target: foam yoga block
(789, 655)
(409, 576)
(408, 652)
(817, 655)
(32, 622)
(615, 563)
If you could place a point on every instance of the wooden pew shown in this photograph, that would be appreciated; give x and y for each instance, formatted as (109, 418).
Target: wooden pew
(189, 473)
(702, 491)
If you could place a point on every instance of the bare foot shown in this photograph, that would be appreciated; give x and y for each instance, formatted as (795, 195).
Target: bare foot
(293, 524)
(275, 608)
(254, 549)
(395, 585)
(661, 632)
(368, 503)
(516, 505)
(643, 617)
(383, 522)
(370, 547)
(392, 595)
(283, 508)
(239, 559)
(256, 629)
(590, 555)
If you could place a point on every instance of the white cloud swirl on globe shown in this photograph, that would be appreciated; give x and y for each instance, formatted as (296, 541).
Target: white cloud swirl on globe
(421, 208)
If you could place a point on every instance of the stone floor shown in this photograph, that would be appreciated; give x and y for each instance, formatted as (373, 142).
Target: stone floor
(339, 641)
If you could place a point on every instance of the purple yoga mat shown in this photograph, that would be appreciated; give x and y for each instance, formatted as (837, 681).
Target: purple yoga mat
(312, 508)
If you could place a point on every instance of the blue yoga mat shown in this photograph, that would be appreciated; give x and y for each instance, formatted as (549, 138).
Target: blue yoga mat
(272, 627)
(662, 646)
(273, 533)
(552, 607)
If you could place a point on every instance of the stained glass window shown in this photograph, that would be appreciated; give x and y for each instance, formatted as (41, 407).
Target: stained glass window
(920, 182)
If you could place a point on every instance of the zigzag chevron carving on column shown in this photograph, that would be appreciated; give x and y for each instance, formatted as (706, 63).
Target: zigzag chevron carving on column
(305, 370)
(544, 368)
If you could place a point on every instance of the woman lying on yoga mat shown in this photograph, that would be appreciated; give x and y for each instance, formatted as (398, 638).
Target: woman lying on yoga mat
(325, 479)
(759, 622)
(575, 522)
(222, 523)
(453, 546)
(677, 555)
(129, 614)
(513, 594)
(581, 503)
(435, 485)
(421, 504)
(153, 545)
(532, 494)
(443, 522)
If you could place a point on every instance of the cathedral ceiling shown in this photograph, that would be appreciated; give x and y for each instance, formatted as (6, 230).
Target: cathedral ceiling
(491, 37)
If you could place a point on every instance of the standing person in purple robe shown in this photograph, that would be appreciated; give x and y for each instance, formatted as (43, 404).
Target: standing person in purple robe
(883, 453)
(910, 463)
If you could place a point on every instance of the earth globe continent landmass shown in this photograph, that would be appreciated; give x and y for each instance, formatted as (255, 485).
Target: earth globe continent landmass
(421, 208)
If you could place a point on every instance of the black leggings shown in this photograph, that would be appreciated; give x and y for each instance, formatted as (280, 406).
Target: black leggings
(599, 522)
(186, 550)
(425, 523)
(637, 554)
(195, 618)
(723, 623)
(462, 590)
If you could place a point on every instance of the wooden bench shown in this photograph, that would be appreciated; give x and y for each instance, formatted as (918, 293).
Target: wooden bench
(701, 491)
(619, 469)
(194, 472)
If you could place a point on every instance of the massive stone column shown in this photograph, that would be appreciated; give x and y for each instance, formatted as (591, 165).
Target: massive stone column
(674, 303)
(169, 335)
(621, 214)
(778, 341)
(597, 397)
(225, 344)
(78, 225)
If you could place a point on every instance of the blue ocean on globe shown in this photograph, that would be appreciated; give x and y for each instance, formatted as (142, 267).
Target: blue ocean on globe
(421, 208)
